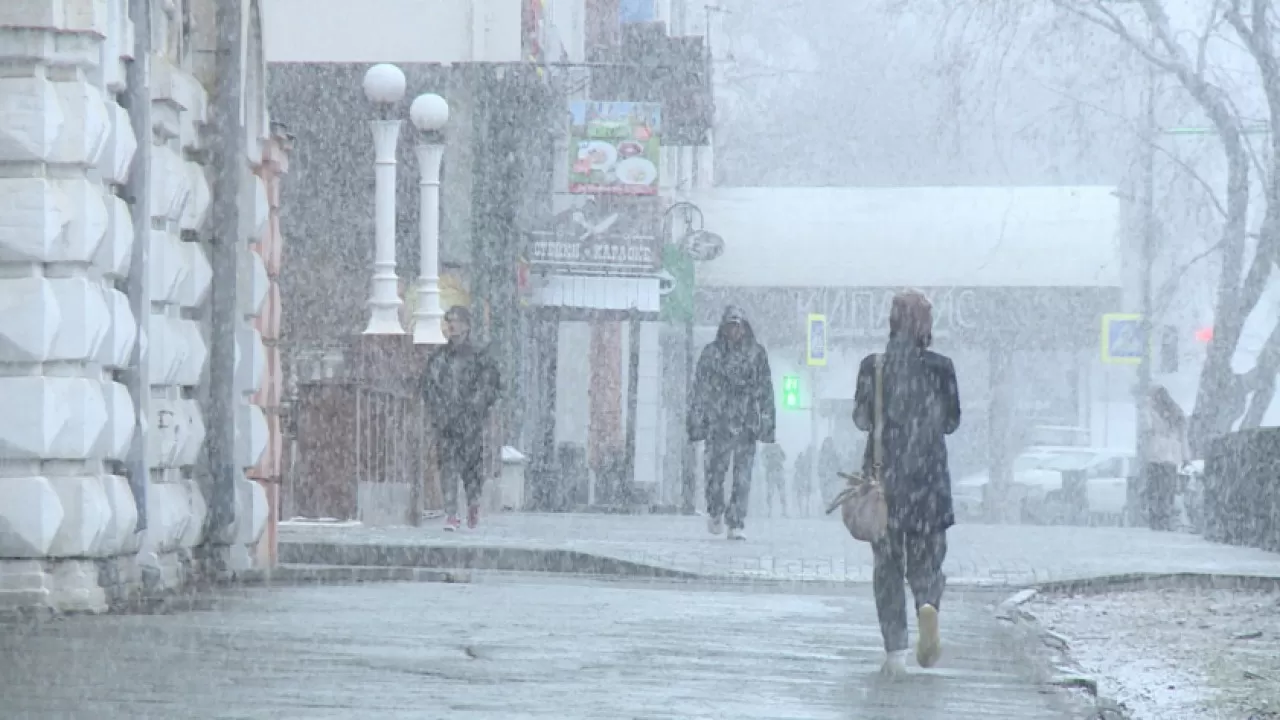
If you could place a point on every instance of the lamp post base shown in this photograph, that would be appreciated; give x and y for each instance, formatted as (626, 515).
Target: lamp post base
(427, 330)
(428, 318)
(384, 321)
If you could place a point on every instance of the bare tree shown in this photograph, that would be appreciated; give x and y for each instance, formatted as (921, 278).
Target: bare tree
(1145, 29)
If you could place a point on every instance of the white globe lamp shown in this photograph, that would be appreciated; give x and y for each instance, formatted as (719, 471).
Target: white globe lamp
(429, 112)
(384, 84)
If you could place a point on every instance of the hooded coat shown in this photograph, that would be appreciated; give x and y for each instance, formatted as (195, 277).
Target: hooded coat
(732, 393)
(460, 386)
(922, 407)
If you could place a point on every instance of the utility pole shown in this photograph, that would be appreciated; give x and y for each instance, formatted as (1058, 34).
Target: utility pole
(1142, 390)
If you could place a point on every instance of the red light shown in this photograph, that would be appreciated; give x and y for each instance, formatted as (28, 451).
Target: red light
(1204, 335)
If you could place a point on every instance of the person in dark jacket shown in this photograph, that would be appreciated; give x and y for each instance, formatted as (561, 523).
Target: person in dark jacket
(921, 407)
(731, 407)
(460, 386)
(1167, 452)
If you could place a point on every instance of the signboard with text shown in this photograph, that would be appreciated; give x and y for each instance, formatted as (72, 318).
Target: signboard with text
(615, 148)
(859, 316)
(615, 236)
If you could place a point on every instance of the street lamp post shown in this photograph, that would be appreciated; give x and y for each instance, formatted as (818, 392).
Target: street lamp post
(429, 114)
(384, 86)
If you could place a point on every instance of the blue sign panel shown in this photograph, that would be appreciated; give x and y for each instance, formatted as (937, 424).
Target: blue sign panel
(637, 11)
(1122, 342)
(816, 347)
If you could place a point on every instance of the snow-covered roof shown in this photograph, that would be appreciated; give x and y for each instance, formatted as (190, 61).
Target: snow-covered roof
(919, 236)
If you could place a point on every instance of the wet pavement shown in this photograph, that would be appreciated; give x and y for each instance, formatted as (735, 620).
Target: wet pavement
(494, 649)
(817, 549)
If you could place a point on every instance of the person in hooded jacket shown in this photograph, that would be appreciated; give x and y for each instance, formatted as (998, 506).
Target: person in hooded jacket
(1167, 451)
(731, 408)
(460, 387)
(803, 484)
(921, 407)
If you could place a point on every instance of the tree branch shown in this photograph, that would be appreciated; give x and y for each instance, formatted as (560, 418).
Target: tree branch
(1169, 288)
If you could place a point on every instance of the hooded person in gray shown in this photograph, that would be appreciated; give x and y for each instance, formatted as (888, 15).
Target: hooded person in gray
(731, 408)
(460, 387)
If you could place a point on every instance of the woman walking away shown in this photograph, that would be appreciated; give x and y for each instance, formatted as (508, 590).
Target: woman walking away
(921, 407)
(1166, 452)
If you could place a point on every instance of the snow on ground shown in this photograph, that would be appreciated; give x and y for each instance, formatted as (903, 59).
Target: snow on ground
(1176, 654)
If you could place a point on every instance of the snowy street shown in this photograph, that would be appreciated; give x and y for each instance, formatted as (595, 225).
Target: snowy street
(1176, 654)
(502, 649)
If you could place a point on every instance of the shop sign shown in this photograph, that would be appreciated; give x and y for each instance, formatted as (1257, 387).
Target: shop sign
(622, 236)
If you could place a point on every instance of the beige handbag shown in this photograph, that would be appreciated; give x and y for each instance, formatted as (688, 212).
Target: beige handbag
(862, 504)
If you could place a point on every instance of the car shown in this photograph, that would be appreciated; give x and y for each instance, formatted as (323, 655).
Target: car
(1056, 484)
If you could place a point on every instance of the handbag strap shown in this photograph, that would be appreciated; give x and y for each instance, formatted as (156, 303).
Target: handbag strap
(877, 423)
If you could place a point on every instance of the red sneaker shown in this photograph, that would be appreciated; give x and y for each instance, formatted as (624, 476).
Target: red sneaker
(452, 523)
(473, 516)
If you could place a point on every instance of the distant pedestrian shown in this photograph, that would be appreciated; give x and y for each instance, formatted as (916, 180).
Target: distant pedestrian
(803, 484)
(1167, 451)
(775, 476)
(921, 407)
(731, 407)
(830, 465)
(460, 387)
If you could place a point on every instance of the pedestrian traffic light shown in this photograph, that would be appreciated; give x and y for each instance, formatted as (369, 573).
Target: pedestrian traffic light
(791, 392)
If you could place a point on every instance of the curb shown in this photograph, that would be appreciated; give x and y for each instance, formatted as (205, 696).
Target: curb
(1057, 668)
(294, 575)
(1062, 671)
(549, 560)
(1160, 581)
(197, 594)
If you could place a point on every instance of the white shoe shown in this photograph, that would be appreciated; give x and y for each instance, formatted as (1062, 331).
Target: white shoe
(736, 534)
(929, 644)
(714, 525)
(895, 664)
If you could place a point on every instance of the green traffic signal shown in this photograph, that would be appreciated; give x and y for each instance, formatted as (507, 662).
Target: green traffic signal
(791, 392)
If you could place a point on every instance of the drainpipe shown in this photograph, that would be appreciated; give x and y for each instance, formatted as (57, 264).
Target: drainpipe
(138, 98)
(225, 223)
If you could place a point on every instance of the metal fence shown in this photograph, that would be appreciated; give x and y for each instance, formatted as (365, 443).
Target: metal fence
(355, 447)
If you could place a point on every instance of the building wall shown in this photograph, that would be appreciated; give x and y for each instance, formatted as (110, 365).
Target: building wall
(399, 31)
(70, 530)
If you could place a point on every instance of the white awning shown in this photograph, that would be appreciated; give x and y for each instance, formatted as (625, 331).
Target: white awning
(591, 292)
(921, 237)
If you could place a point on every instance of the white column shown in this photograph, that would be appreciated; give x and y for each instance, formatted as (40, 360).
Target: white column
(428, 315)
(384, 298)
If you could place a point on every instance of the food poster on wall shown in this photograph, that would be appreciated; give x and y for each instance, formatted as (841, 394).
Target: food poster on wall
(614, 147)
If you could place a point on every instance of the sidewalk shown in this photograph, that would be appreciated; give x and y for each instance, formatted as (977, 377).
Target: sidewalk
(571, 650)
(815, 549)
(1174, 655)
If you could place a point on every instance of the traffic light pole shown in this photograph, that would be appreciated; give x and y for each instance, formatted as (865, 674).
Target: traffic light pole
(1142, 390)
(815, 481)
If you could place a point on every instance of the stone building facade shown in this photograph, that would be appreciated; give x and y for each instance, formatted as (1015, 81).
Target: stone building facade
(105, 285)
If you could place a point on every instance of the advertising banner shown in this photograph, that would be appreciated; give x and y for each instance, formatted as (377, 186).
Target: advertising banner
(615, 148)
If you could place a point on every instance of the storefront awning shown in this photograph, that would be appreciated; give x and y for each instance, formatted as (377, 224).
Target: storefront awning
(592, 292)
(999, 237)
